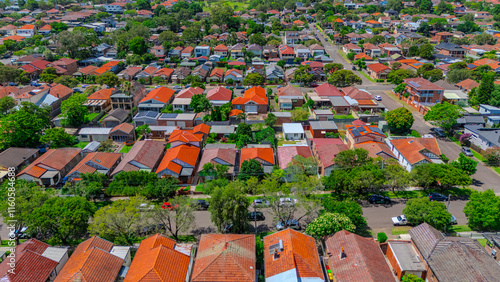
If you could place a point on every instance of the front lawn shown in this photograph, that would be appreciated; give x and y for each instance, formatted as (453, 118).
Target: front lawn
(367, 76)
(81, 145)
(482, 242)
(460, 228)
(343, 117)
(126, 149)
(91, 116)
(400, 230)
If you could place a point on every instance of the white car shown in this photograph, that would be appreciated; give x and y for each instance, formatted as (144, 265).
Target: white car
(378, 98)
(399, 220)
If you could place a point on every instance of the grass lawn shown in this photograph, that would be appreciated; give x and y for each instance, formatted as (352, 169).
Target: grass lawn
(81, 145)
(460, 228)
(91, 116)
(343, 55)
(280, 143)
(343, 117)
(482, 242)
(125, 149)
(400, 230)
(367, 76)
(200, 188)
(5, 243)
(482, 159)
(185, 238)
(342, 134)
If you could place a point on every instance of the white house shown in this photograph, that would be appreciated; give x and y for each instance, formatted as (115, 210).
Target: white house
(293, 131)
(27, 31)
(414, 151)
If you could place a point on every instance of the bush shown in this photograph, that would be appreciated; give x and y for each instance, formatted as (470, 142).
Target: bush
(381, 237)
(415, 134)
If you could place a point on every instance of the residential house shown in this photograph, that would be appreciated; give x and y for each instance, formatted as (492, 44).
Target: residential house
(287, 54)
(355, 258)
(374, 24)
(129, 73)
(386, 22)
(99, 101)
(290, 255)
(128, 101)
(293, 131)
(221, 50)
(389, 49)
(8, 30)
(265, 156)
(322, 115)
(274, 73)
(302, 52)
(450, 49)
(156, 99)
(492, 246)
(254, 101)
(164, 73)
(483, 138)
(16, 159)
(216, 75)
(289, 97)
(317, 50)
(372, 50)
(404, 258)
(225, 258)
(122, 133)
(160, 258)
(234, 75)
(237, 51)
(95, 260)
(144, 155)
(255, 49)
(158, 51)
(176, 52)
(364, 100)
(219, 96)
(319, 129)
(180, 120)
(28, 30)
(467, 85)
(321, 94)
(187, 52)
(147, 73)
(411, 152)
(34, 261)
(378, 71)
(186, 137)
(115, 117)
(65, 66)
(288, 154)
(351, 47)
(476, 120)
(291, 37)
(45, 95)
(270, 52)
(325, 150)
(356, 134)
(89, 134)
(423, 92)
(444, 36)
(146, 117)
(201, 71)
(98, 162)
(180, 74)
(51, 167)
(218, 156)
(465, 258)
(179, 162)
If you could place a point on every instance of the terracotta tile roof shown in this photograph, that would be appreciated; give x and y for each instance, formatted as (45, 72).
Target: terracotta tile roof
(111, 64)
(286, 50)
(202, 128)
(150, 70)
(56, 159)
(157, 260)
(289, 90)
(226, 155)
(14, 37)
(467, 84)
(218, 72)
(423, 83)
(40, 64)
(184, 136)
(356, 94)
(219, 94)
(224, 258)
(145, 152)
(59, 90)
(327, 149)
(363, 55)
(326, 89)
(190, 92)
(364, 262)
(162, 94)
(376, 149)
(88, 70)
(299, 255)
(286, 154)
(164, 71)
(378, 67)
(256, 94)
(103, 94)
(126, 128)
(7, 90)
(259, 154)
(221, 48)
(187, 50)
(102, 70)
(91, 261)
(91, 161)
(176, 156)
(28, 26)
(234, 72)
(412, 148)
(235, 112)
(45, 27)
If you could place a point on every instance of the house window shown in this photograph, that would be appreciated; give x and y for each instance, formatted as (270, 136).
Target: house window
(85, 136)
(238, 107)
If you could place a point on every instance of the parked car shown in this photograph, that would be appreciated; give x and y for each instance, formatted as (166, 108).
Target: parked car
(256, 215)
(399, 220)
(146, 207)
(314, 84)
(353, 67)
(467, 152)
(201, 204)
(293, 224)
(240, 87)
(437, 197)
(378, 98)
(438, 131)
(379, 199)
(177, 87)
(453, 220)
(168, 206)
(287, 201)
(187, 86)
(260, 202)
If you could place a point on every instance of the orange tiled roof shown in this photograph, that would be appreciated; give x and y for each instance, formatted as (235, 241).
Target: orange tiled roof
(225, 258)
(56, 159)
(28, 26)
(376, 149)
(264, 154)
(363, 55)
(184, 136)
(103, 94)
(412, 148)
(164, 71)
(104, 159)
(235, 112)
(102, 70)
(299, 254)
(256, 94)
(162, 94)
(111, 64)
(177, 155)
(378, 67)
(123, 127)
(202, 128)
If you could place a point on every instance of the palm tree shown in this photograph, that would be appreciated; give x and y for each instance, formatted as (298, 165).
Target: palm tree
(126, 87)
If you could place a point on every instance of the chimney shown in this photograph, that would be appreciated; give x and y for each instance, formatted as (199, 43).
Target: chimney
(343, 255)
(281, 246)
(276, 255)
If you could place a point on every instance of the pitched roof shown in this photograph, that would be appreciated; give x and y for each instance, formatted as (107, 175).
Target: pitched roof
(235, 112)
(378, 67)
(221, 48)
(421, 84)
(327, 89)
(218, 72)
(212, 156)
(123, 127)
(96, 159)
(255, 94)
(162, 94)
(225, 257)
(219, 94)
(412, 149)
(376, 149)
(467, 84)
(164, 71)
(56, 159)
(185, 136)
(13, 157)
(144, 152)
(234, 72)
(91, 261)
(263, 154)
(202, 128)
(157, 260)
(364, 259)
(327, 149)
(286, 154)
(362, 130)
(299, 255)
(174, 157)
(289, 90)
(103, 94)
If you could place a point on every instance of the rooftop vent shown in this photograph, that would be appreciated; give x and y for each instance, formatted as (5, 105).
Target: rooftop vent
(343, 255)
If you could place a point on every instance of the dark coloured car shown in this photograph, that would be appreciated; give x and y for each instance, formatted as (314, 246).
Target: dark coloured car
(437, 197)
(353, 67)
(314, 84)
(201, 204)
(379, 199)
(438, 131)
(257, 215)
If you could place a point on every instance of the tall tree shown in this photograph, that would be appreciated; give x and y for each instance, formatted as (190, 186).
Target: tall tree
(443, 115)
(73, 111)
(422, 210)
(483, 211)
(466, 164)
(399, 120)
(250, 168)
(328, 224)
(6, 104)
(486, 87)
(352, 158)
(344, 78)
(200, 103)
(349, 208)
(178, 219)
(57, 138)
(108, 78)
(229, 205)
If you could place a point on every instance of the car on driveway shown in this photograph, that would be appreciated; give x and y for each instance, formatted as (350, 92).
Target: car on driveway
(437, 197)
(201, 204)
(379, 199)
(466, 151)
(256, 215)
(378, 98)
(293, 224)
(260, 202)
(399, 220)
(438, 132)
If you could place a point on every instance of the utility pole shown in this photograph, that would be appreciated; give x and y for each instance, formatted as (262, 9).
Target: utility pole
(255, 217)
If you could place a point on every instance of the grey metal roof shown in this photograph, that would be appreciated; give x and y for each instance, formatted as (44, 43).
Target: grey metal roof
(293, 128)
(146, 114)
(92, 146)
(491, 135)
(120, 251)
(282, 114)
(95, 131)
(323, 112)
(338, 101)
(55, 254)
(406, 256)
(223, 129)
(470, 119)
(327, 125)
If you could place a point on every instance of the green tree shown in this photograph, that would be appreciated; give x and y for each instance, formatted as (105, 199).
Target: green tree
(271, 120)
(299, 114)
(328, 224)
(138, 45)
(443, 115)
(396, 5)
(229, 205)
(67, 81)
(143, 5)
(143, 130)
(422, 210)
(396, 176)
(486, 88)
(134, 60)
(433, 75)
(121, 221)
(200, 103)
(302, 74)
(426, 51)
(349, 208)
(108, 78)
(397, 76)
(281, 63)
(164, 188)
(221, 13)
(352, 158)
(400, 120)
(9, 74)
(344, 78)
(257, 39)
(65, 219)
(57, 138)
(177, 220)
(6, 104)
(191, 34)
(412, 277)
(424, 68)
(400, 89)
(250, 168)
(253, 79)
(48, 75)
(73, 111)
(484, 39)
(466, 164)
(24, 127)
(483, 211)
(456, 75)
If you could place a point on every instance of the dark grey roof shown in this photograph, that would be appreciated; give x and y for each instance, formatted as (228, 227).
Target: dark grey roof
(425, 237)
(406, 256)
(13, 157)
(446, 85)
(147, 114)
(491, 135)
(495, 239)
(119, 114)
(470, 119)
(449, 47)
(327, 124)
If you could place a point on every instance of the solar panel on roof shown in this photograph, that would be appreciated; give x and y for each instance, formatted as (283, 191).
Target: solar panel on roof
(170, 116)
(151, 114)
(414, 84)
